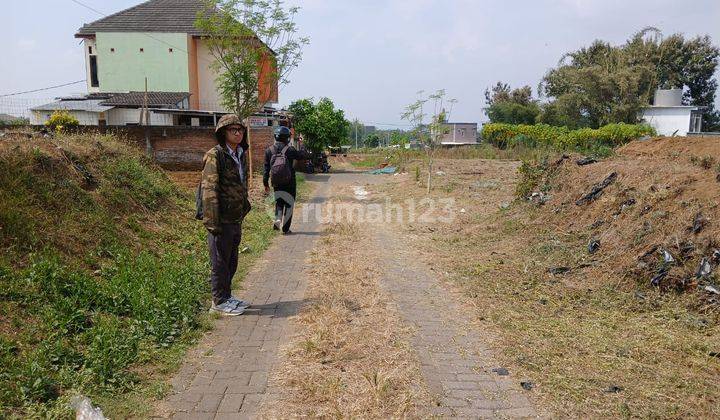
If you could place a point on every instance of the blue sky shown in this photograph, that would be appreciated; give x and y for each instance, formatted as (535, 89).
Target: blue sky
(371, 57)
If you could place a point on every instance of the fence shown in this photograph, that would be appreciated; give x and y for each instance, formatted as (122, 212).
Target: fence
(20, 107)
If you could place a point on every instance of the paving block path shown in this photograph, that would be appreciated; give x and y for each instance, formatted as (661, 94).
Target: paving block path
(456, 364)
(226, 375)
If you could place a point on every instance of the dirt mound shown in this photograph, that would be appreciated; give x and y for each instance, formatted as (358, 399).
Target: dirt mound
(672, 147)
(653, 209)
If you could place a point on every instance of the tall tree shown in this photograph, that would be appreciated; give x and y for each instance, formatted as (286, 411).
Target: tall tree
(372, 140)
(603, 84)
(254, 47)
(321, 124)
(511, 106)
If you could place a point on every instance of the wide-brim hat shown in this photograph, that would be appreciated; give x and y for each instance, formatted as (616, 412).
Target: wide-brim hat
(229, 119)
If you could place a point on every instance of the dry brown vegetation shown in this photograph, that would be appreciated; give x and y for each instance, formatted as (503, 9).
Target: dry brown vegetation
(599, 340)
(350, 356)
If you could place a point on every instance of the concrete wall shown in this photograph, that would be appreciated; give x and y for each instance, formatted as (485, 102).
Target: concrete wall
(125, 69)
(90, 44)
(124, 116)
(84, 117)
(182, 148)
(460, 133)
(667, 121)
(208, 96)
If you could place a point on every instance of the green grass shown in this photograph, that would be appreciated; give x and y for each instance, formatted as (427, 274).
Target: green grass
(369, 161)
(103, 276)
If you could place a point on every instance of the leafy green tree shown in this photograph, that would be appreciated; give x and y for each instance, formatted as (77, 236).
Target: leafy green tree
(372, 140)
(513, 113)
(400, 138)
(320, 124)
(254, 45)
(603, 84)
(511, 106)
(501, 92)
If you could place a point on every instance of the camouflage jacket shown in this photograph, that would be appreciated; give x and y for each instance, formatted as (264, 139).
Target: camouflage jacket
(224, 193)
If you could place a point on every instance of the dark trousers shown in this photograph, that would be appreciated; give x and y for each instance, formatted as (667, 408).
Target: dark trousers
(224, 260)
(284, 203)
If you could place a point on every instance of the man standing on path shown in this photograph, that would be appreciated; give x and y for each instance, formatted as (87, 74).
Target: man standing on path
(279, 168)
(224, 206)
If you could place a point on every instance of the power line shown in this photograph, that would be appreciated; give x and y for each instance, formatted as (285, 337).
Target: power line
(42, 89)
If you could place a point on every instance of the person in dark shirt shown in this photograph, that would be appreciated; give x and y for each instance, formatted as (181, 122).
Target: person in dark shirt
(284, 194)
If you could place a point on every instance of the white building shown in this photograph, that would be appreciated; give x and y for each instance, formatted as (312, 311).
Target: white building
(457, 134)
(87, 111)
(117, 109)
(670, 117)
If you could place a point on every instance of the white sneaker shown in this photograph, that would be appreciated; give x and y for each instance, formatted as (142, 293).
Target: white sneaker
(239, 303)
(227, 308)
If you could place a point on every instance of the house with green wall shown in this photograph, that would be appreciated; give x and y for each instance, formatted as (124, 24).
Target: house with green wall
(154, 42)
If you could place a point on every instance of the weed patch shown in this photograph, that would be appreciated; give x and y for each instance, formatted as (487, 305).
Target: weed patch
(102, 275)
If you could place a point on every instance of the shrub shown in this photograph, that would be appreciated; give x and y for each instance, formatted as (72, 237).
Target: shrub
(530, 176)
(562, 138)
(705, 162)
(61, 120)
(14, 123)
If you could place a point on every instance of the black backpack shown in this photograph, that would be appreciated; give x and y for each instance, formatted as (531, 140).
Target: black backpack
(280, 171)
(198, 193)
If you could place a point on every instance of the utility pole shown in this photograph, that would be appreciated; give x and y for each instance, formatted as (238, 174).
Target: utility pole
(356, 124)
(145, 116)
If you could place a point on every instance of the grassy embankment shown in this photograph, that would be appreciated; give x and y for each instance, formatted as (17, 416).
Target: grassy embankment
(102, 275)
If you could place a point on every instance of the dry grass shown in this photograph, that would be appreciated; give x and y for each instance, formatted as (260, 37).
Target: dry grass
(350, 356)
(580, 334)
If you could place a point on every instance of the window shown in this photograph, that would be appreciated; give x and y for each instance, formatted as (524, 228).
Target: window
(461, 132)
(169, 49)
(90, 50)
(112, 49)
(94, 82)
(142, 49)
(695, 122)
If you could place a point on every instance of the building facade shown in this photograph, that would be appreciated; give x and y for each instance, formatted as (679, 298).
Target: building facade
(157, 42)
(669, 117)
(458, 134)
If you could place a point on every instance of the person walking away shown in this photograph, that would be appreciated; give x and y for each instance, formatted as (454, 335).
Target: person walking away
(279, 169)
(223, 206)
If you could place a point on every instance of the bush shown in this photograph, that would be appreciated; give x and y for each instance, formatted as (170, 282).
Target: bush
(562, 138)
(61, 120)
(14, 123)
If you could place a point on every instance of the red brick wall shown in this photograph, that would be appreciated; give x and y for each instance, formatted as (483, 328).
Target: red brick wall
(182, 148)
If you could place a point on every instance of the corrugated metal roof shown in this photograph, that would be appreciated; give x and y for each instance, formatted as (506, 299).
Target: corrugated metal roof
(155, 99)
(151, 16)
(82, 105)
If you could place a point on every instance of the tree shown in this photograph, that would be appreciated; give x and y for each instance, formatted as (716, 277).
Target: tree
(603, 84)
(399, 137)
(429, 133)
(501, 92)
(320, 124)
(511, 106)
(253, 44)
(372, 140)
(513, 113)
